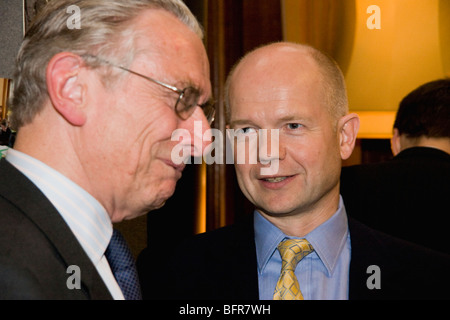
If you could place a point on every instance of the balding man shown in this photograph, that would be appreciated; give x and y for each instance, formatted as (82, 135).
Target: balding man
(299, 242)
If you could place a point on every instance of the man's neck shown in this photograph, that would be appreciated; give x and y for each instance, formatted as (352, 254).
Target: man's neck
(299, 224)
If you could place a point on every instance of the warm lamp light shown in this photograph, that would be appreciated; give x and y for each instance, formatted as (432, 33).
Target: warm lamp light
(384, 53)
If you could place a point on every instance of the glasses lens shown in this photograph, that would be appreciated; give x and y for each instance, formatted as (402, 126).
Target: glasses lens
(187, 102)
(209, 111)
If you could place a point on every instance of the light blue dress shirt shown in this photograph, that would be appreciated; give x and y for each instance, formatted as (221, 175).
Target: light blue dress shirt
(85, 216)
(323, 274)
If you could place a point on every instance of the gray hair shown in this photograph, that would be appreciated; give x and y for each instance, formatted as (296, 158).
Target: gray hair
(106, 31)
(333, 81)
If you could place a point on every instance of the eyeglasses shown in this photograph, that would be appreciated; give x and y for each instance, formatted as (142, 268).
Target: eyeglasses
(187, 98)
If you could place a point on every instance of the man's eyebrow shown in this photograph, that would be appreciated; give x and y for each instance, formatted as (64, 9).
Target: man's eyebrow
(289, 118)
(295, 118)
(210, 101)
(183, 84)
(241, 122)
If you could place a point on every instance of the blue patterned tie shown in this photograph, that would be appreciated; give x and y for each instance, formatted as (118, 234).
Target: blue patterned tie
(123, 267)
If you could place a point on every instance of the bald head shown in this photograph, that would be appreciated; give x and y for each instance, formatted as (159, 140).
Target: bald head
(284, 63)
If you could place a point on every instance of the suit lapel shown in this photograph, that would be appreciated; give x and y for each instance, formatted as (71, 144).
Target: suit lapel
(245, 269)
(30, 200)
(371, 248)
(359, 262)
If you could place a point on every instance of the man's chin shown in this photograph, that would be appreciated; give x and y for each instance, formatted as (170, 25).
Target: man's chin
(160, 205)
(277, 210)
(161, 201)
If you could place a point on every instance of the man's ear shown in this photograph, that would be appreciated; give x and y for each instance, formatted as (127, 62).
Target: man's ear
(396, 145)
(65, 88)
(348, 127)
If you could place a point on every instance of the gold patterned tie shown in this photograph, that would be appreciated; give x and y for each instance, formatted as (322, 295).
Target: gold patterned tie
(292, 251)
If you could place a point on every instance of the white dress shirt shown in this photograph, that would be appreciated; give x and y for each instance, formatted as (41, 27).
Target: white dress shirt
(85, 216)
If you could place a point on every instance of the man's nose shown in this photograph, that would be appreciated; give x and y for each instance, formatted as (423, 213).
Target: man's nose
(269, 147)
(200, 132)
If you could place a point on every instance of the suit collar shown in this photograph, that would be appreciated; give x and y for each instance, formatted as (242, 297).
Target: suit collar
(423, 152)
(30, 200)
(85, 216)
(372, 248)
(328, 239)
(244, 264)
(366, 249)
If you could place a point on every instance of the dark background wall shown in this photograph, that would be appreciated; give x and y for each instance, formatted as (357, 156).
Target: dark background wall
(11, 26)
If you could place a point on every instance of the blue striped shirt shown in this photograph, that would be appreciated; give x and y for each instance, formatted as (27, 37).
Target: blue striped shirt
(323, 274)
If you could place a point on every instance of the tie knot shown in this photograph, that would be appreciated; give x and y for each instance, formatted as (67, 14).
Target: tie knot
(292, 251)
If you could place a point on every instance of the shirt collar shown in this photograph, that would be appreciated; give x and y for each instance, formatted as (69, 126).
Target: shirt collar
(328, 239)
(85, 216)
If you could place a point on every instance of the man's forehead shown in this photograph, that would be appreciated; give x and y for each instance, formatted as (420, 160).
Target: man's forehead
(279, 55)
(175, 49)
(272, 109)
(274, 76)
(277, 101)
(276, 88)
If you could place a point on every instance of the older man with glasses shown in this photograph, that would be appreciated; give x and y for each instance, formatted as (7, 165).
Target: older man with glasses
(73, 90)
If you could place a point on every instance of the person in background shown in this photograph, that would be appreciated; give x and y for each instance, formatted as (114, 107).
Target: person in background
(408, 195)
(5, 133)
(141, 62)
(299, 243)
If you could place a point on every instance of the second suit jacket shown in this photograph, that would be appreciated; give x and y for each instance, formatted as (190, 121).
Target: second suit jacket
(406, 197)
(37, 246)
(221, 265)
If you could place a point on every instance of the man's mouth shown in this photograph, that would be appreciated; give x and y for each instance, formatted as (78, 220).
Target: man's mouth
(276, 183)
(274, 179)
(179, 167)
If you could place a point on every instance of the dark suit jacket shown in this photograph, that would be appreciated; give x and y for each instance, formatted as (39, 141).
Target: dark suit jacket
(37, 246)
(407, 197)
(221, 265)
